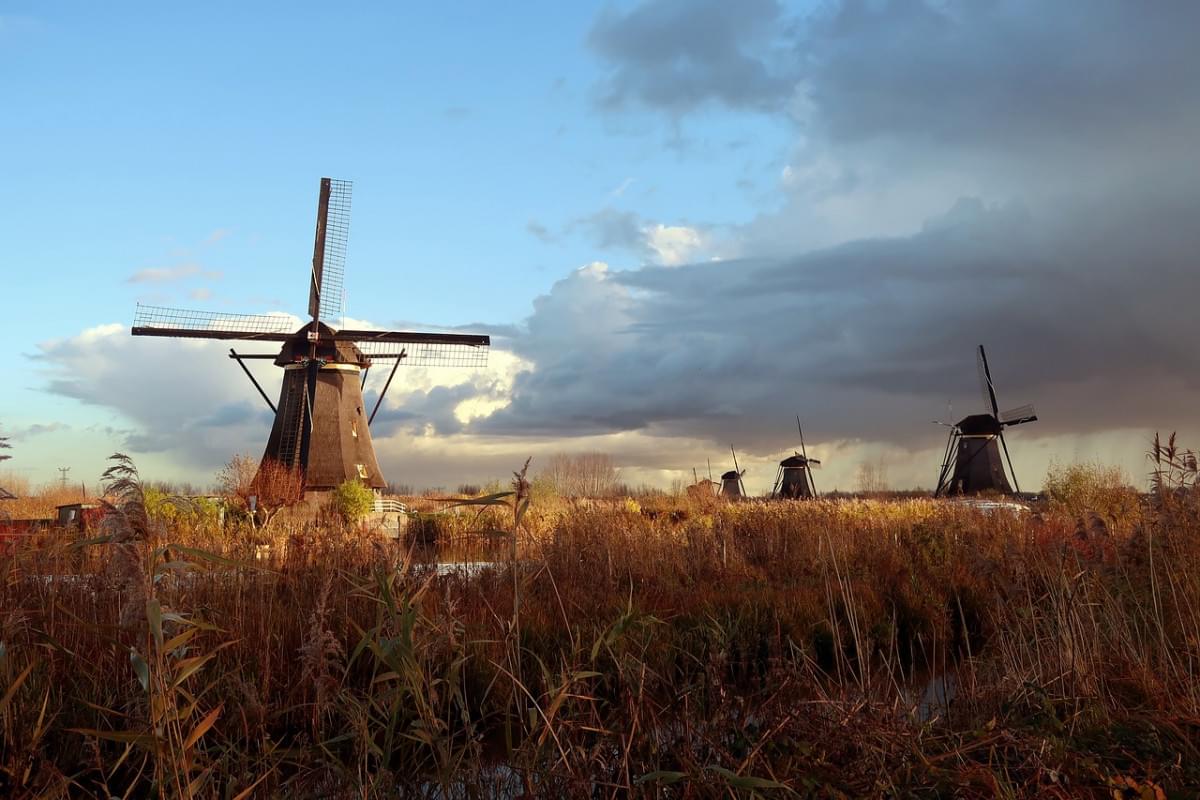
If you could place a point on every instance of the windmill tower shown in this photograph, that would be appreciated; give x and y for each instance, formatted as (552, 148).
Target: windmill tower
(321, 431)
(731, 481)
(794, 480)
(971, 463)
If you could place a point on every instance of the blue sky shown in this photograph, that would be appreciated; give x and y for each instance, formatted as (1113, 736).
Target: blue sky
(700, 152)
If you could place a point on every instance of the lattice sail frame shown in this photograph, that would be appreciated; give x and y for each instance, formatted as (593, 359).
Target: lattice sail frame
(213, 322)
(337, 237)
(426, 354)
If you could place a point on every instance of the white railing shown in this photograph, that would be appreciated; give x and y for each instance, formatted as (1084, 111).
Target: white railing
(385, 505)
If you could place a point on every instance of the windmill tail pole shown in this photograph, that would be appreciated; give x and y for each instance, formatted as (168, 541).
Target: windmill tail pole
(379, 402)
(947, 455)
(1008, 458)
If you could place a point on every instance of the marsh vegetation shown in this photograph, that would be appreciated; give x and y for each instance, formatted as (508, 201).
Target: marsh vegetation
(663, 647)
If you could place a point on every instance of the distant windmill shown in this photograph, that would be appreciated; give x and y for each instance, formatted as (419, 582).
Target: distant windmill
(320, 429)
(971, 463)
(731, 481)
(794, 480)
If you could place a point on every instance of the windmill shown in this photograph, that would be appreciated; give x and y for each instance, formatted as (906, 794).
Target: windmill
(321, 431)
(971, 463)
(731, 481)
(794, 480)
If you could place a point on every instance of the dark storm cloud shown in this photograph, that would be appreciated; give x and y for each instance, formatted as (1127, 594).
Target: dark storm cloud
(1049, 153)
(1004, 75)
(677, 55)
(1087, 313)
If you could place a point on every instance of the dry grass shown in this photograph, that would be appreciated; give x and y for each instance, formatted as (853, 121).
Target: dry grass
(660, 649)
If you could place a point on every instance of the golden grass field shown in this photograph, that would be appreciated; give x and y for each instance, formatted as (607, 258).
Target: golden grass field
(657, 647)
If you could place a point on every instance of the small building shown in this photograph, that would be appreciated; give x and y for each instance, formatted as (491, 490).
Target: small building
(5, 494)
(79, 516)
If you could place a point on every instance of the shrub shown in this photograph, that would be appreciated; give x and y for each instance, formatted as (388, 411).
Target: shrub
(353, 501)
(1080, 488)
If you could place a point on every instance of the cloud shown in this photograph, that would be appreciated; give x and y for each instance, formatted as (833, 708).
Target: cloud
(674, 244)
(540, 232)
(678, 55)
(217, 235)
(163, 274)
(652, 242)
(172, 274)
(38, 429)
(1086, 313)
(620, 188)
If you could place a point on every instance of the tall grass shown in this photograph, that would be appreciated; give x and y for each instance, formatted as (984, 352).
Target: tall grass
(684, 650)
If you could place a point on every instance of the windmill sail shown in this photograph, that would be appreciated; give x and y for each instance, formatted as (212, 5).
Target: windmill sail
(180, 322)
(426, 354)
(326, 295)
(1018, 415)
(985, 383)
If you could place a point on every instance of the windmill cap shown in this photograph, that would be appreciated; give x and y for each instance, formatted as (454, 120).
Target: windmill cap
(979, 425)
(794, 461)
(328, 349)
(731, 475)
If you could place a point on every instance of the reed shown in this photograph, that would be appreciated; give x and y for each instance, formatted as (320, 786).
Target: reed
(666, 648)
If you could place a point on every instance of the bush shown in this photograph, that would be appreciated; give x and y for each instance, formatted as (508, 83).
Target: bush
(1080, 488)
(353, 501)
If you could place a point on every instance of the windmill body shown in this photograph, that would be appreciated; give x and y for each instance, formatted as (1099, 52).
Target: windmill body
(731, 484)
(340, 448)
(321, 430)
(973, 463)
(794, 481)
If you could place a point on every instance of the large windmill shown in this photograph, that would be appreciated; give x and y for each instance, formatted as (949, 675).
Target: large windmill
(321, 431)
(794, 480)
(971, 463)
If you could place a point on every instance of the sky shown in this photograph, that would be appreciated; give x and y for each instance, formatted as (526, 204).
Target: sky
(683, 224)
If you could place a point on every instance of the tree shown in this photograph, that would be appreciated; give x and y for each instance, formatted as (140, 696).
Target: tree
(580, 474)
(263, 490)
(873, 477)
(353, 500)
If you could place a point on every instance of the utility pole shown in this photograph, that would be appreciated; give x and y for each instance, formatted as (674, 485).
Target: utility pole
(63, 473)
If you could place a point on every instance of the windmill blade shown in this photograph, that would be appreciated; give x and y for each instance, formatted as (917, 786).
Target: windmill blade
(814, 462)
(428, 355)
(185, 324)
(412, 337)
(421, 349)
(804, 453)
(1019, 415)
(326, 293)
(985, 379)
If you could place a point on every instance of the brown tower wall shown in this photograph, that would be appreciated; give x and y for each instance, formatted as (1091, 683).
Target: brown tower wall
(795, 483)
(341, 447)
(978, 468)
